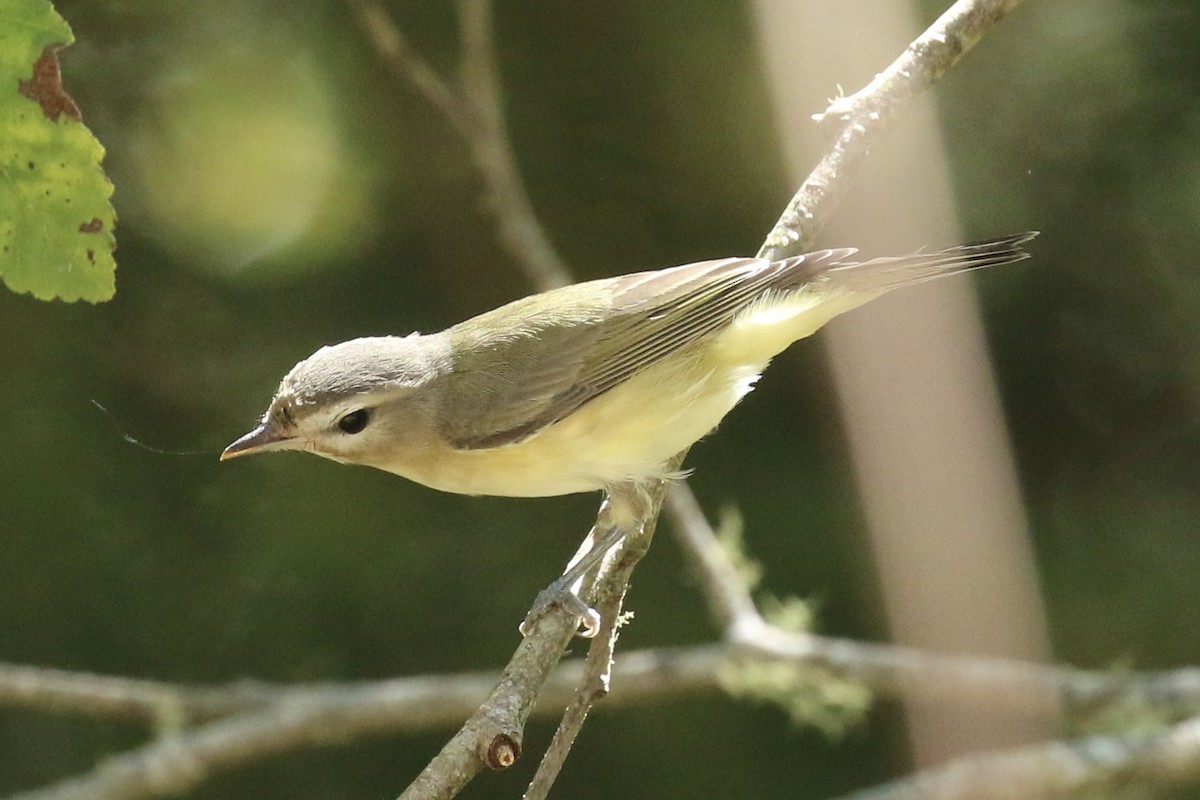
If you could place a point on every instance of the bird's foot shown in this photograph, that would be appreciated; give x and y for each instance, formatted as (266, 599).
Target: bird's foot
(562, 594)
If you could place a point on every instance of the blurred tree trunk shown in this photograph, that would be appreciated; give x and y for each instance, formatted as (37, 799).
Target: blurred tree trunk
(926, 432)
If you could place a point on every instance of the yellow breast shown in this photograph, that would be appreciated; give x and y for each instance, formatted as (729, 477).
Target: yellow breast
(633, 430)
(628, 433)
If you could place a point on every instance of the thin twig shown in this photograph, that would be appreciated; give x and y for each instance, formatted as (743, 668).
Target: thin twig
(1098, 764)
(158, 703)
(312, 716)
(444, 700)
(865, 117)
(476, 113)
(728, 596)
(923, 62)
(394, 50)
(179, 762)
(519, 230)
(610, 590)
(592, 687)
(327, 715)
(500, 721)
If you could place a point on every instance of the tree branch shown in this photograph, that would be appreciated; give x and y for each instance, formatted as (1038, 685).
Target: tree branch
(519, 230)
(610, 592)
(161, 704)
(865, 118)
(1097, 764)
(311, 716)
(393, 49)
(443, 700)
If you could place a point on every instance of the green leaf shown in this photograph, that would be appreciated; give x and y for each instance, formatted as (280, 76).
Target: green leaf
(56, 221)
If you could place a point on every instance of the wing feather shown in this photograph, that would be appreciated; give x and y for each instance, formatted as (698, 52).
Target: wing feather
(559, 362)
(533, 362)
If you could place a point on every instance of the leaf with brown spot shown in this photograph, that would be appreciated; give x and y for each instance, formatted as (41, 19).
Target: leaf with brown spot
(46, 87)
(56, 221)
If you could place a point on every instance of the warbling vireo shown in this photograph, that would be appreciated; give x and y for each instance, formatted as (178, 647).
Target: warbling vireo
(591, 386)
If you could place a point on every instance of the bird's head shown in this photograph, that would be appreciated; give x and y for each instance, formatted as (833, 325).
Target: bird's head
(353, 402)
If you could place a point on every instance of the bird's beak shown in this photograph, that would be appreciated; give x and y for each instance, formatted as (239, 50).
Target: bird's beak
(261, 439)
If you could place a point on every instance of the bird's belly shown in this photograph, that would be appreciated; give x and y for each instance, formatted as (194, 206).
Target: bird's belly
(627, 433)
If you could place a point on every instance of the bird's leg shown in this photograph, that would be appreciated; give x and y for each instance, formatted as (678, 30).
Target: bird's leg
(565, 591)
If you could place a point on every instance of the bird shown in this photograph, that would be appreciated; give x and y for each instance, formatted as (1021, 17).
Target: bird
(591, 386)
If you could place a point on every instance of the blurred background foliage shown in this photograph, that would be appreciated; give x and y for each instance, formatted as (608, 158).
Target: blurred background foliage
(279, 190)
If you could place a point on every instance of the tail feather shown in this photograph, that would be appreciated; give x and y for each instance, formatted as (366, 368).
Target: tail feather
(777, 318)
(882, 274)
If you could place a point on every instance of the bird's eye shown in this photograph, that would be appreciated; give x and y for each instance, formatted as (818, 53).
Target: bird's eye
(355, 421)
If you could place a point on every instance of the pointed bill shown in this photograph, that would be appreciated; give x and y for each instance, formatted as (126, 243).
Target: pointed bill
(261, 439)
